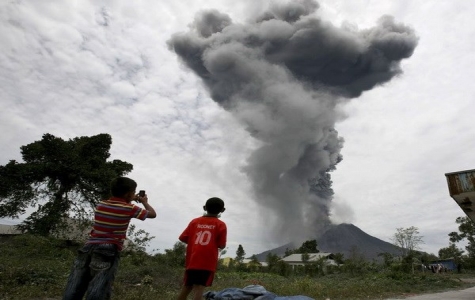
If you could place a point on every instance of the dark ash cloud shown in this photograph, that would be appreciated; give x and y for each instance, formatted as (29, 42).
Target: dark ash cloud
(282, 76)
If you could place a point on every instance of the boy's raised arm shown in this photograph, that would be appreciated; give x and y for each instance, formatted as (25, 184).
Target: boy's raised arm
(151, 212)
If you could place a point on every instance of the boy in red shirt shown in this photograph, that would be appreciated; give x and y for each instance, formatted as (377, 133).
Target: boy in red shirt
(203, 236)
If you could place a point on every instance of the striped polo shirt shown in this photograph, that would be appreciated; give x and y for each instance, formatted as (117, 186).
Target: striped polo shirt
(111, 220)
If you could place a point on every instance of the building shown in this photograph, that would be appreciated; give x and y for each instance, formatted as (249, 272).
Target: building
(462, 190)
(296, 259)
(8, 230)
(226, 261)
(447, 264)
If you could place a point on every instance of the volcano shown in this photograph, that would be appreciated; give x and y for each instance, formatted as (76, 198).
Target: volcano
(346, 239)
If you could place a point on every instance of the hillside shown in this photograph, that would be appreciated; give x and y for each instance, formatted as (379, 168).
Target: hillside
(343, 238)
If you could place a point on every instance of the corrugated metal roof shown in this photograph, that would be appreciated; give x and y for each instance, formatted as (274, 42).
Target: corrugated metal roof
(461, 182)
(8, 229)
(462, 190)
(311, 257)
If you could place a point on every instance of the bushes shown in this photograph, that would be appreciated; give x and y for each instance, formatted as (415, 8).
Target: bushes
(33, 266)
(37, 267)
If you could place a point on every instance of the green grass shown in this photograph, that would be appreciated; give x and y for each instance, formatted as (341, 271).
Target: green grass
(37, 268)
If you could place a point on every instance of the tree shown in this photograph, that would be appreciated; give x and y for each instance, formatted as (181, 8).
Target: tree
(176, 257)
(288, 251)
(408, 239)
(466, 231)
(309, 246)
(255, 260)
(388, 258)
(254, 264)
(426, 258)
(272, 260)
(339, 258)
(60, 179)
(138, 239)
(240, 254)
(451, 251)
(356, 262)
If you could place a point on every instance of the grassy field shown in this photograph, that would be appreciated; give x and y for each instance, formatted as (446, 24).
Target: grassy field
(37, 268)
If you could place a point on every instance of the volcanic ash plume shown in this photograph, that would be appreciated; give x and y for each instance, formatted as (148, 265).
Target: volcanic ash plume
(282, 76)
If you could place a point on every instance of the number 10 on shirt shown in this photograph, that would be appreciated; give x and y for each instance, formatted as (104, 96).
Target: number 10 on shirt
(203, 237)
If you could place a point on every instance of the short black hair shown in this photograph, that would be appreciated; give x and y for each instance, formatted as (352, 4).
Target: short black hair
(214, 205)
(122, 185)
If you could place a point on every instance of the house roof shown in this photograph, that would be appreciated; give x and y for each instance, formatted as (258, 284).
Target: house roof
(8, 229)
(227, 260)
(311, 257)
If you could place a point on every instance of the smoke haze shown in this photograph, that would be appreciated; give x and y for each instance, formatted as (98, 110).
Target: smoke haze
(282, 76)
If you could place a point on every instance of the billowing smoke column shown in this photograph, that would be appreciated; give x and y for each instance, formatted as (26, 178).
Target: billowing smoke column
(282, 76)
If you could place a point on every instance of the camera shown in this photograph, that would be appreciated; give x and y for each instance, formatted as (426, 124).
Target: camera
(142, 193)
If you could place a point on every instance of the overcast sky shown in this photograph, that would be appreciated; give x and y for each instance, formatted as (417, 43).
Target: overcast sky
(74, 69)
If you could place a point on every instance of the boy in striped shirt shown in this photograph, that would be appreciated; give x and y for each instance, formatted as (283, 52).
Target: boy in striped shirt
(97, 262)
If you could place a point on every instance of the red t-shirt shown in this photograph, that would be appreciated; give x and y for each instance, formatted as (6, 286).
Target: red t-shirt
(204, 235)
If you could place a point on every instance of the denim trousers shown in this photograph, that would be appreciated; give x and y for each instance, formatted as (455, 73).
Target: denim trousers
(93, 273)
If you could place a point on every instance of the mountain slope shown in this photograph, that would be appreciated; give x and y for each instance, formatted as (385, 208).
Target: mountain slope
(346, 239)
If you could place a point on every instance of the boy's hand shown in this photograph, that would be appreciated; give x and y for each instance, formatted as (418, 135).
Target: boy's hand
(143, 199)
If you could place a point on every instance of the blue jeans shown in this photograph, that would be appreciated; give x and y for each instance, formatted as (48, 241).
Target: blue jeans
(93, 273)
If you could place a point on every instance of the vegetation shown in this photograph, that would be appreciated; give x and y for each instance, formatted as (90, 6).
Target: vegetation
(466, 232)
(36, 267)
(67, 178)
(407, 239)
(60, 179)
(309, 246)
(240, 254)
(451, 252)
